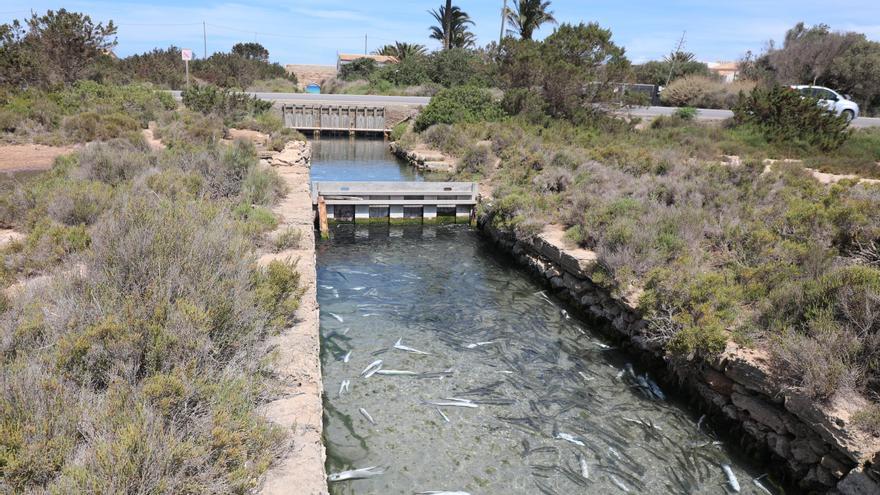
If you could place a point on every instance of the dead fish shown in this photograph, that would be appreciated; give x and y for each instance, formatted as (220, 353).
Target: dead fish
(357, 474)
(396, 373)
(366, 415)
(358, 288)
(442, 493)
(585, 469)
(700, 422)
(344, 386)
(565, 314)
(442, 414)
(654, 388)
(372, 368)
(619, 484)
(478, 344)
(345, 332)
(336, 317)
(757, 482)
(570, 438)
(398, 345)
(346, 357)
(453, 402)
(731, 478)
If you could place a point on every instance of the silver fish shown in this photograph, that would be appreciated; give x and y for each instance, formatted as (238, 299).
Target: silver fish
(442, 414)
(346, 357)
(570, 438)
(700, 422)
(479, 344)
(345, 332)
(565, 314)
(442, 493)
(396, 372)
(328, 287)
(453, 404)
(731, 478)
(366, 415)
(358, 288)
(357, 474)
(344, 386)
(398, 345)
(336, 317)
(585, 469)
(655, 389)
(619, 484)
(757, 482)
(372, 368)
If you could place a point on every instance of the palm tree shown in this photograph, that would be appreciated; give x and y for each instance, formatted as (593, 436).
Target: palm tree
(527, 16)
(452, 29)
(402, 50)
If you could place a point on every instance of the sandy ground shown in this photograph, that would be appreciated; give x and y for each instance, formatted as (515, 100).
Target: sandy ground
(301, 468)
(15, 157)
(308, 74)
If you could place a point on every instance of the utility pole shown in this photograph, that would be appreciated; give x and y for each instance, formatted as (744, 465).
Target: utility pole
(205, 39)
(674, 54)
(503, 19)
(365, 43)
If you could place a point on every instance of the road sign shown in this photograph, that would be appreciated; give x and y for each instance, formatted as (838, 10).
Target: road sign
(186, 54)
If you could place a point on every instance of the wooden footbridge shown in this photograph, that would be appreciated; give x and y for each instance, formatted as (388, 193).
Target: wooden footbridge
(394, 202)
(351, 119)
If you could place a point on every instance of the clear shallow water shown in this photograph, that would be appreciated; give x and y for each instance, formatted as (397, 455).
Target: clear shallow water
(344, 159)
(543, 376)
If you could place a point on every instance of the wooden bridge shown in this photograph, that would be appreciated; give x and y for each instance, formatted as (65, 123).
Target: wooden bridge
(395, 202)
(319, 118)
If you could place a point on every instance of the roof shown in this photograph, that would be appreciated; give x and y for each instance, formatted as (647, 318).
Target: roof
(381, 59)
(722, 66)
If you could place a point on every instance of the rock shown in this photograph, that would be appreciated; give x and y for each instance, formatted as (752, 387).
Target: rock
(588, 300)
(711, 396)
(858, 483)
(750, 369)
(824, 477)
(619, 323)
(826, 421)
(779, 444)
(755, 429)
(731, 412)
(760, 411)
(556, 282)
(834, 466)
(801, 452)
(295, 153)
(718, 382)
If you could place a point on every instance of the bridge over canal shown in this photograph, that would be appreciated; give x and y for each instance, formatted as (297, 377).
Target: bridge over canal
(351, 119)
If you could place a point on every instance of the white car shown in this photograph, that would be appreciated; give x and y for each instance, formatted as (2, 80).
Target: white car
(830, 99)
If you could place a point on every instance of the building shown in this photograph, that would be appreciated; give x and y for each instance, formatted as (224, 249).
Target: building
(344, 59)
(727, 71)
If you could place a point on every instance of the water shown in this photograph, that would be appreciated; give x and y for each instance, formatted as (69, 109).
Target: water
(539, 377)
(335, 159)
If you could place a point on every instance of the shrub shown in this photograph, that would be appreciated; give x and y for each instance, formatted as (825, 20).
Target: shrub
(704, 92)
(784, 116)
(686, 113)
(399, 130)
(79, 202)
(289, 238)
(112, 163)
(446, 138)
(230, 105)
(459, 105)
(262, 186)
(231, 70)
(278, 291)
(361, 68)
(475, 160)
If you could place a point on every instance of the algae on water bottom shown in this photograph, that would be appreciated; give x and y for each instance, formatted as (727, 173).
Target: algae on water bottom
(544, 382)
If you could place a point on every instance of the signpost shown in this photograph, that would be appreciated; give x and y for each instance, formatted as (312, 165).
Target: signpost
(186, 54)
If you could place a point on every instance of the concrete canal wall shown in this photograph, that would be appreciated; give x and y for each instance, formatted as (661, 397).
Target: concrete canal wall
(810, 445)
(299, 409)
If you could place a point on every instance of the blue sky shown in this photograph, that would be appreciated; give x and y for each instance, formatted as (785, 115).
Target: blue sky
(313, 31)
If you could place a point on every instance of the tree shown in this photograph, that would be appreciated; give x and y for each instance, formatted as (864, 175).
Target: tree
(527, 16)
(16, 67)
(677, 64)
(67, 44)
(251, 51)
(401, 50)
(361, 68)
(857, 72)
(452, 27)
(579, 62)
(808, 53)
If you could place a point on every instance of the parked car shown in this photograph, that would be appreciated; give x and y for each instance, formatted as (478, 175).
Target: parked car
(830, 99)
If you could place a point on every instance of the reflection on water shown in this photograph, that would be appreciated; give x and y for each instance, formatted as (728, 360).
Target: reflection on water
(550, 408)
(344, 159)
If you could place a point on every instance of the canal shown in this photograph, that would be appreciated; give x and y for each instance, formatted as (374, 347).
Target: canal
(486, 384)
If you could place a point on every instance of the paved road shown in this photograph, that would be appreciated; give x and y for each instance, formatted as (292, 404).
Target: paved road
(703, 114)
(338, 99)
(706, 114)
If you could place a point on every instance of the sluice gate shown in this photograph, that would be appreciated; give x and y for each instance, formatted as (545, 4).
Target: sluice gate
(334, 118)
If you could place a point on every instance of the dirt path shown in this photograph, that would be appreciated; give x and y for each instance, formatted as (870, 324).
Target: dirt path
(17, 157)
(301, 468)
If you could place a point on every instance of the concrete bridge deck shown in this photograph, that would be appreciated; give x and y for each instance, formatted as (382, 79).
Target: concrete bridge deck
(396, 201)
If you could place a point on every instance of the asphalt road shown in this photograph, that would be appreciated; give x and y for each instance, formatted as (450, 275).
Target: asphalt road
(703, 114)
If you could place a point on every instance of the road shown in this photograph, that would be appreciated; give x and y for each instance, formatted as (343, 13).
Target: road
(703, 114)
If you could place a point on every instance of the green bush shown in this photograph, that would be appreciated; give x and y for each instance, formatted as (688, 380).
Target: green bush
(361, 68)
(459, 105)
(230, 105)
(784, 116)
(231, 70)
(91, 126)
(686, 113)
(475, 160)
(289, 238)
(278, 291)
(399, 130)
(703, 92)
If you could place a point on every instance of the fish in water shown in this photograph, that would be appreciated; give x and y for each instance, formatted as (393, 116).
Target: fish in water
(372, 368)
(565, 314)
(731, 478)
(442, 493)
(757, 482)
(345, 332)
(358, 288)
(585, 469)
(357, 474)
(344, 386)
(570, 438)
(453, 402)
(365, 414)
(442, 414)
(700, 422)
(478, 344)
(398, 345)
(396, 373)
(654, 388)
(336, 317)
(619, 484)
(346, 357)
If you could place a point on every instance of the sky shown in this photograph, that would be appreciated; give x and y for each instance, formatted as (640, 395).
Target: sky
(314, 31)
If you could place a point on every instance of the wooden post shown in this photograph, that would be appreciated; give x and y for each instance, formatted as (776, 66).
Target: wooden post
(322, 218)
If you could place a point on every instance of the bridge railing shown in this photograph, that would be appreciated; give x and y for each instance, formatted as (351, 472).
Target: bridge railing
(396, 193)
(338, 118)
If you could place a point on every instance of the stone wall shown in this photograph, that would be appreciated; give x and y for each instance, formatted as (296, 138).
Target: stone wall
(808, 445)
